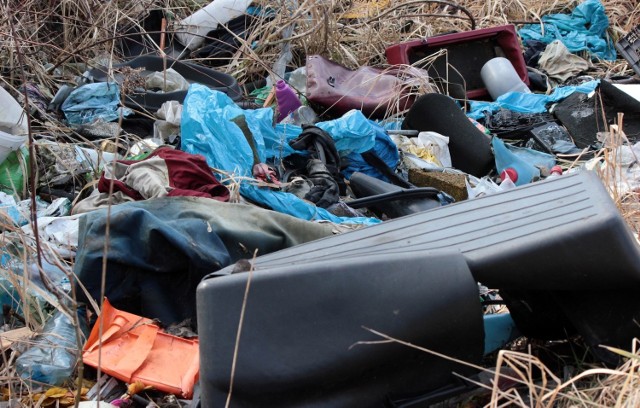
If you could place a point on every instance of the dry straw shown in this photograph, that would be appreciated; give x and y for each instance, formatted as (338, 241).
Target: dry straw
(59, 39)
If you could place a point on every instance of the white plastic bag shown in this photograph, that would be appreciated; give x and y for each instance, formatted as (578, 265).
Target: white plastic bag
(171, 82)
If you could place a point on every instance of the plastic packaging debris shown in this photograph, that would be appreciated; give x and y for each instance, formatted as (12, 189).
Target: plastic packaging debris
(53, 355)
(429, 146)
(632, 90)
(9, 143)
(59, 232)
(135, 349)
(12, 117)
(298, 80)
(92, 158)
(584, 29)
(499, 77)
(485, 186)
(91, 101)
(19, 212)
(167, 81)
(525, 162)
(197, 25)
(167, 128)
(528, 103)
(287, 99)
(304, 115)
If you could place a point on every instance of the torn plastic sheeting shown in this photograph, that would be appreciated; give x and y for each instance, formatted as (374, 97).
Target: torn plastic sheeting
(352, 133)
(584, 29)
(278, 146)
(207, 129)
(92, 101)
(528, 102)
(384, 148)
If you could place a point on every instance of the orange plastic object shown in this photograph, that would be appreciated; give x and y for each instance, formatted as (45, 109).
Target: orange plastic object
(134, 348)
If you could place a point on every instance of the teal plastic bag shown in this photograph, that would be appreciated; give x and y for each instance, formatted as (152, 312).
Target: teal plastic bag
(585, 29)
(528, 102)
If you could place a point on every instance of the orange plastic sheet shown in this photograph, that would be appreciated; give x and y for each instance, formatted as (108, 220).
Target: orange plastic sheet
(135, 349)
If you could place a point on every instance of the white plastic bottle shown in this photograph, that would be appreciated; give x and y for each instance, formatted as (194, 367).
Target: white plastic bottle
(191, 30)
(500, 77)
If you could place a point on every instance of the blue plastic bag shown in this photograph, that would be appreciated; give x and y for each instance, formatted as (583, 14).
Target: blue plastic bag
(92, 101)
(584, 29)
(528, 102)
(207, 129)
(384, 148)
(352, 132)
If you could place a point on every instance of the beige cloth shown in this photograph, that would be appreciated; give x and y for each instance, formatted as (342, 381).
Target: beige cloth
(560, 64)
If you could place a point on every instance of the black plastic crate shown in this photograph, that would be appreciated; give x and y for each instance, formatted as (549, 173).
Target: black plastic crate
(629, 47)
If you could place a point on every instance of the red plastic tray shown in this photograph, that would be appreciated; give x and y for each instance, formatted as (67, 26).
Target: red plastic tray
(467, 53)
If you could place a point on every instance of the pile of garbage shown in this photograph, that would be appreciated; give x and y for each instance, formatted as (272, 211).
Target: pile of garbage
(291, 204)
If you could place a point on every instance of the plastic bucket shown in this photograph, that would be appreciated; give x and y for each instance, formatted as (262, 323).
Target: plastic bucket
(9, 143)
(499, 77)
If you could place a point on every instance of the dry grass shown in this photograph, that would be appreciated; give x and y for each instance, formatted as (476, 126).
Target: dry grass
(58, 39)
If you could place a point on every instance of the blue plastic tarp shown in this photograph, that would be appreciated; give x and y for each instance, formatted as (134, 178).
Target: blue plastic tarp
(528, 102)
(90, 102)
(585, 29)
(207, 129)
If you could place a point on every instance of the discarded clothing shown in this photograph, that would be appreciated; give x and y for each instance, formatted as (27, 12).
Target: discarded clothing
(160, 249)
(559, 63)
(92, 101)
(166, 172)
(584, 29)
(528, 103)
